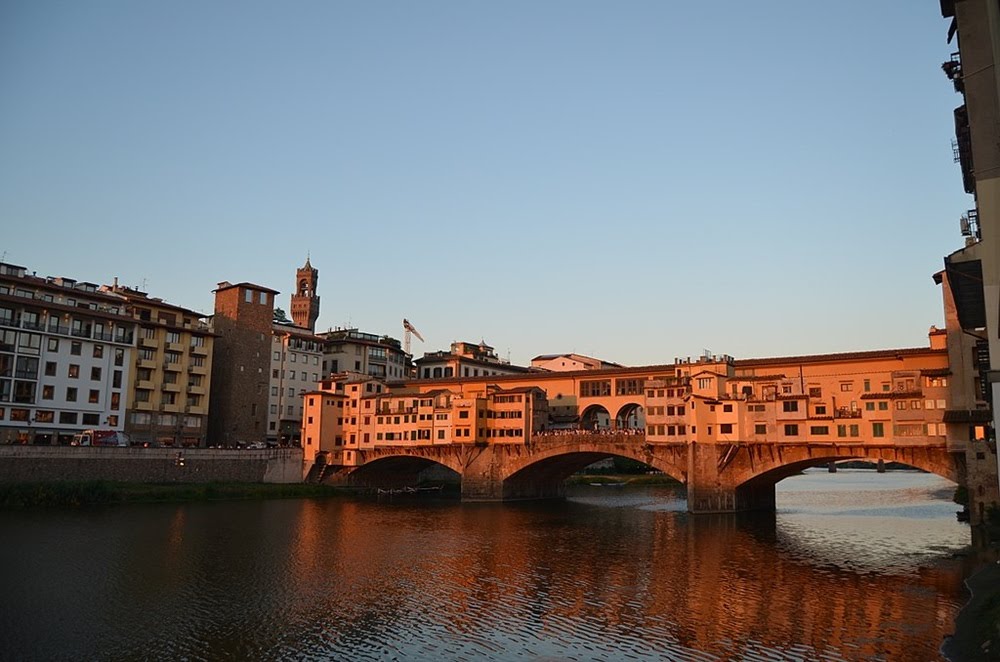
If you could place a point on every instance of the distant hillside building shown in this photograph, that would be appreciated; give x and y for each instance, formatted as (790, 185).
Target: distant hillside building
(465, 359)
(570, 362)
(352, 351)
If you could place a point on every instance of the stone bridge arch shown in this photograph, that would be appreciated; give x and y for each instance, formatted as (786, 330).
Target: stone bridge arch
(745, 475)
(539, 471)
(397, 467)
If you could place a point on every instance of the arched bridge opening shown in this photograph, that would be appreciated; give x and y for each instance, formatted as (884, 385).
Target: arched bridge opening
(544, 474)
(402, 471)
(753, 475)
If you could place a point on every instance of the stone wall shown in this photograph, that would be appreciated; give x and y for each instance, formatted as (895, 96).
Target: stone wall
(149, 465)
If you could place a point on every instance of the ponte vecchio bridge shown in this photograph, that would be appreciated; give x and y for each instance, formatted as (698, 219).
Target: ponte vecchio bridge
(729, 430)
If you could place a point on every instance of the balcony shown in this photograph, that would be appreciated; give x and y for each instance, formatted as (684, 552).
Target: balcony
(146, 363)
(845, 412)
(200, 350)
(145, 384)
(195, 390)
(148, 342)
(172, 387)
(80, 333)
(198, 369)
(173, 367)
(32, 326)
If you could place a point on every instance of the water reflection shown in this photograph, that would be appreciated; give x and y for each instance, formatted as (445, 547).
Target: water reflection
(846, 570)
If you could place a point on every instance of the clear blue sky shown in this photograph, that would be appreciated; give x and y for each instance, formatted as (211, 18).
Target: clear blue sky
(633, 180)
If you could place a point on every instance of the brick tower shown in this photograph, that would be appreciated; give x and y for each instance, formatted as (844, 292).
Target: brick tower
(305, 303)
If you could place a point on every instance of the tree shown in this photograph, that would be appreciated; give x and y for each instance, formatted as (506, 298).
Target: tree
(280, 316)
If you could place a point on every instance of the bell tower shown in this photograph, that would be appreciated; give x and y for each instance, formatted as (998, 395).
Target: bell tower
(305, 303)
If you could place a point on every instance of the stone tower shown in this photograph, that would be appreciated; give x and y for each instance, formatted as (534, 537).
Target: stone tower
(305, 303)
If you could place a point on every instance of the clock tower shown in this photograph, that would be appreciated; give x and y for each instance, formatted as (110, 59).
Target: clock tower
(305, 303)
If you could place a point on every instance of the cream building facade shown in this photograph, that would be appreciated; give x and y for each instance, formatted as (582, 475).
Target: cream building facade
(66, 351)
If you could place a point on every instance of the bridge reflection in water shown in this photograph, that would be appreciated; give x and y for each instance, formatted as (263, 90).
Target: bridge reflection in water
(606, 574)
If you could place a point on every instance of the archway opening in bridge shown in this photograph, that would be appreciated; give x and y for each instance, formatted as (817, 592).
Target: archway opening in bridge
(595, 417)
(401, 472)
(548, 477)
(631, 417)
(758, 492)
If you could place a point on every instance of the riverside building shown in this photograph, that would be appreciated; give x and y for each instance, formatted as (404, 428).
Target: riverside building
(171, 374)
(66, 351)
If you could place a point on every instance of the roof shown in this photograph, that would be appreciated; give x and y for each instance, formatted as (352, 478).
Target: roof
(968, 416)
(757, 378)
(226, 285)
(840, 356)
(137, 297)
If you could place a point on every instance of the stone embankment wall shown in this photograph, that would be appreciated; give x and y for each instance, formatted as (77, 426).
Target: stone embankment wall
(23, 464)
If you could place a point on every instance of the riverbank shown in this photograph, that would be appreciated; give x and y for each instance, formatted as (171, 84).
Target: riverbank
(977, 626)
(18, 496)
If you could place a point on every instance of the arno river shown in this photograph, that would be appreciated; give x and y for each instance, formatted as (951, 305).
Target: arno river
(854, 566)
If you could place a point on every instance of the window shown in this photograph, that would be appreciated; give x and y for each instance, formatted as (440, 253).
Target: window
(74, 370)
(98, 351)
(819, 430)
(71, 394)
(790, 405)
(846, 386)
(760, 428)
(791, 430)
(119, 357)
(95, 374)
(869, 406)
(67, 417)
(883, 405)
(76, 348)
(116, 379)
(263, 298)
(463, 413)
(173, 337)
(48, 392)
(94, 397)
(53, 344)
(116, 400)
(878, 430)
(595, 388)
(868, 385)
(900, 404)
(821, 410)
(91, 419)
(725, 428)
(727, 408)
(704, 382)
(248, 296)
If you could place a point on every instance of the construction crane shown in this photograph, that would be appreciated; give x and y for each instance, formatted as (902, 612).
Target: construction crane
(408, 329)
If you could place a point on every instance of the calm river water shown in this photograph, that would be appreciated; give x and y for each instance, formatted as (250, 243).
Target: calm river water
(854, 566)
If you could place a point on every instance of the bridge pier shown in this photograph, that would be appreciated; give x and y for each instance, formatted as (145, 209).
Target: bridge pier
(714, 483)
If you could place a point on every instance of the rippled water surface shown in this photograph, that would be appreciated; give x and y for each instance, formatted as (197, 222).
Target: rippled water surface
(854, 566)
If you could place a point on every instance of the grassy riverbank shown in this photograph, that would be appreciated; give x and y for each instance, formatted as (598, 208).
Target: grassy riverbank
(19, 496)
